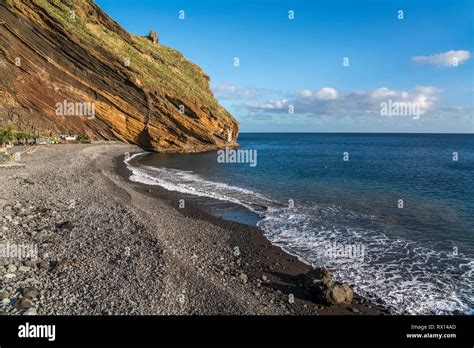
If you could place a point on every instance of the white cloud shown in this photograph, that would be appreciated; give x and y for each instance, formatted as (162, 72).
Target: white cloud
(271, 105)
(382, 92)
(230, 91)
(327, 101)
(225, 88)
(445, 59)
(326, 93)
(427, 90)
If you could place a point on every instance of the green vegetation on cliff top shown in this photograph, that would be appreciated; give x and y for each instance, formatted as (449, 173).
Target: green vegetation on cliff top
(154, 66)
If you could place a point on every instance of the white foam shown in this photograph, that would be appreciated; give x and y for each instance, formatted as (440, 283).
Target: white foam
(129, 158)
(190, 183)
(407, 277)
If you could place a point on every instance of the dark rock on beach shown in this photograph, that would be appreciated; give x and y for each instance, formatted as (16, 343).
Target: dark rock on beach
(322, 287)
(44, 265)
(66, 225)
(30, 293)
(25, 303)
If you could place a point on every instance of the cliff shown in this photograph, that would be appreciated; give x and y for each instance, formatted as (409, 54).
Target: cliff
(71, 53)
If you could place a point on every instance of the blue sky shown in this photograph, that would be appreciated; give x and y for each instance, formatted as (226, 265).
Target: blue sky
(291, 75)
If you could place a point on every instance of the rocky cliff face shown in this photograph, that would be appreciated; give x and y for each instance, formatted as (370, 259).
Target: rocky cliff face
(67, 67)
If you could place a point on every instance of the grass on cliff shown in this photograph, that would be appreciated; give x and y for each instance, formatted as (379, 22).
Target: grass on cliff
(154, 66)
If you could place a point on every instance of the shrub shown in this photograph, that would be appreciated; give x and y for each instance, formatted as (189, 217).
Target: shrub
(83, 138)
(7, 133)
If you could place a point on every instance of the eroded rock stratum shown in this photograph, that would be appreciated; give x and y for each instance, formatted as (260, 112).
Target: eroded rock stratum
(143, 93)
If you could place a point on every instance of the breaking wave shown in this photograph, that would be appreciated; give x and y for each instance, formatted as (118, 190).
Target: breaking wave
(401, 275)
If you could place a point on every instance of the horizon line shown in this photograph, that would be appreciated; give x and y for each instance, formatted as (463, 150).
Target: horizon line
(433, 133)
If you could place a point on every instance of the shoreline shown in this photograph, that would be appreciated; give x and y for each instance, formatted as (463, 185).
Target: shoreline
(284, 270)
(109, 246)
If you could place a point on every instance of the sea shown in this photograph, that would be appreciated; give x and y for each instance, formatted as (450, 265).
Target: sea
(391, 214)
